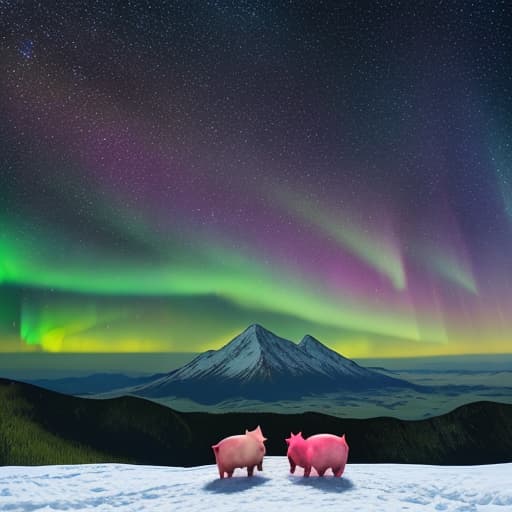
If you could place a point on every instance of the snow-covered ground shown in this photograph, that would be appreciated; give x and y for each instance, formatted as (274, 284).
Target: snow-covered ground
(364, 487)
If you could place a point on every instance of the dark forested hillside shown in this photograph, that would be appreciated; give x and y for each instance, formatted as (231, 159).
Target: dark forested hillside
(43, 427)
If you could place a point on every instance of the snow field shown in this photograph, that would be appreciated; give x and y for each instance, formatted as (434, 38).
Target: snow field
(363, 487)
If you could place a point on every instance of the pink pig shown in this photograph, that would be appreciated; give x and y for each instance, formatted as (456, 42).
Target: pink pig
(240, 451)
(321, 452)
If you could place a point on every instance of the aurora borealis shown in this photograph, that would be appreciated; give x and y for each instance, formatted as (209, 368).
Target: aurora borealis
(171, 172)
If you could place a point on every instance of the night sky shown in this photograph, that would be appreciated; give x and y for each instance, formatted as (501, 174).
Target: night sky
(171, 172)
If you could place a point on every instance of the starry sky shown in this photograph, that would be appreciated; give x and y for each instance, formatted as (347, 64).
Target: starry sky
(171, 172)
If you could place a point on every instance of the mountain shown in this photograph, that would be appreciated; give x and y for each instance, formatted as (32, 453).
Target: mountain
(340, 368)
(260, 365)
(39, 427)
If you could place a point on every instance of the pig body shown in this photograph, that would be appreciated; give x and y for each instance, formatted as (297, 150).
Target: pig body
(322, 452)
(243, 451)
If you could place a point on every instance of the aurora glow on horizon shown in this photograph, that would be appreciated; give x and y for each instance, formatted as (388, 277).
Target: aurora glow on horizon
(173, 173)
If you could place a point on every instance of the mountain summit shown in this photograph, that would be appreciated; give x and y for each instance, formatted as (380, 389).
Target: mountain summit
(333, 364)
(258, 364)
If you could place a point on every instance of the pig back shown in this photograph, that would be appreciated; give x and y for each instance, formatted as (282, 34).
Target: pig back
(239, 451)
(327, 451)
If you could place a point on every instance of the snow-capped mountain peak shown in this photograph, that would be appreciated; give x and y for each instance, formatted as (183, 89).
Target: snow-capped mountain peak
(258, 363)
(336, 366)
(256, 353)
(330, 362)
(259, 352)
(255, 336)
(314, 347)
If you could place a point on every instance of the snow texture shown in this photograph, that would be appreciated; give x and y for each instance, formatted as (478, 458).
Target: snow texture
(363, 487)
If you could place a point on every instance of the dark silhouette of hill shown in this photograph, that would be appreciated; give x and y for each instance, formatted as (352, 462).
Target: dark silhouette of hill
(38, 426)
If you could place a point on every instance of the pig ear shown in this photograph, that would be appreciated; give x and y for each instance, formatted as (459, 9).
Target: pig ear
(288, 440)
(299, 434)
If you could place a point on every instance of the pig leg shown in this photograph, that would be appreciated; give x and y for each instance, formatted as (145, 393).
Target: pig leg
(321, 471)
(221, 472)
(230, 473)
(292, 465)
(260, 465)
(250, 470)
(307, 471)
(338, 471)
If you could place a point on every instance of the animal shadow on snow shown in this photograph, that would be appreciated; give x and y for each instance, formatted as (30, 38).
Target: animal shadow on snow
(235, 484)
(326, 483)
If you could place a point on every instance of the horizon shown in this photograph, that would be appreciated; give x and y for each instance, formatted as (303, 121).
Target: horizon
(36, 349)
(43, 365)
(345, 348)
